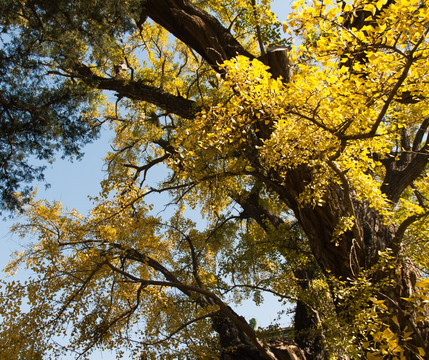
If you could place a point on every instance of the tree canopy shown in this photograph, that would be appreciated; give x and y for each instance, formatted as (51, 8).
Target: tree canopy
(40, 115)
(303, 145)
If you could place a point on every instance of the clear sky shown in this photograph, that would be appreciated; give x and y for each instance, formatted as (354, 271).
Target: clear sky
(72, 183)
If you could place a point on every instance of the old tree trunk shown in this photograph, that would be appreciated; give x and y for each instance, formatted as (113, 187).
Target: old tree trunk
(363, 267)
(359, 248)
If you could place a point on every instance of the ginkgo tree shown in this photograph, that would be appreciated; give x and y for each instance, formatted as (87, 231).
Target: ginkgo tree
(303, 145)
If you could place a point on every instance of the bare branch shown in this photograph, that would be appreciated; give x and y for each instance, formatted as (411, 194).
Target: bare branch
(255, 287)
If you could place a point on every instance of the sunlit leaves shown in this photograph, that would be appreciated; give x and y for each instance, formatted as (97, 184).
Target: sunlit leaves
(86, 277)
(263, 160)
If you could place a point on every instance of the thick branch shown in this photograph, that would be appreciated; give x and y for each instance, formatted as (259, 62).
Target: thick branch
(197, 29)
(172, 281)
(138, 90)
(401, 173)
(252, 209)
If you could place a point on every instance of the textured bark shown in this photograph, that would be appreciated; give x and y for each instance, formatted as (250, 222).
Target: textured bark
(401, 173)
(278, 61)
(355, 250)
(348, 256)
(237, 346)
(196, 28)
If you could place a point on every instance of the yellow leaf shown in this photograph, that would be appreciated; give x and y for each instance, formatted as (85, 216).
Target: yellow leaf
(379, 4)
(285, 27)
(371, 356)
(423, 284)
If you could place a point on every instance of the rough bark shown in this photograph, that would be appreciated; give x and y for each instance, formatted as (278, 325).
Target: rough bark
(278, 61)
(196, 28)
(347, 257)
(237, 345)
(402, 172)
(355, 250)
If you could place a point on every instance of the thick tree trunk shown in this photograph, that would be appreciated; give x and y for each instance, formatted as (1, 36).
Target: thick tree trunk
(355, 250)
(307, 333)
(237, 346)
(348, 256)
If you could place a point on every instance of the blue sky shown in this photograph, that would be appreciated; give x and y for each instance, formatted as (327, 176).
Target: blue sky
(72, 183)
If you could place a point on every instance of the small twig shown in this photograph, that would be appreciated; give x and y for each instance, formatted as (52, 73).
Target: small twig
(258, 28)
(179, 329)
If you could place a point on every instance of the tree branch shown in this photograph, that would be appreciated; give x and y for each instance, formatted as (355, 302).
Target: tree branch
(138, 90)
(179, 329)
(255, 287)
(195, 264)
(401, 173)
(172, 281)
(197, 29)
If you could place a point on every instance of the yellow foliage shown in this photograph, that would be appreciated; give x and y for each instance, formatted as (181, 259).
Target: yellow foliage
(121, 273)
